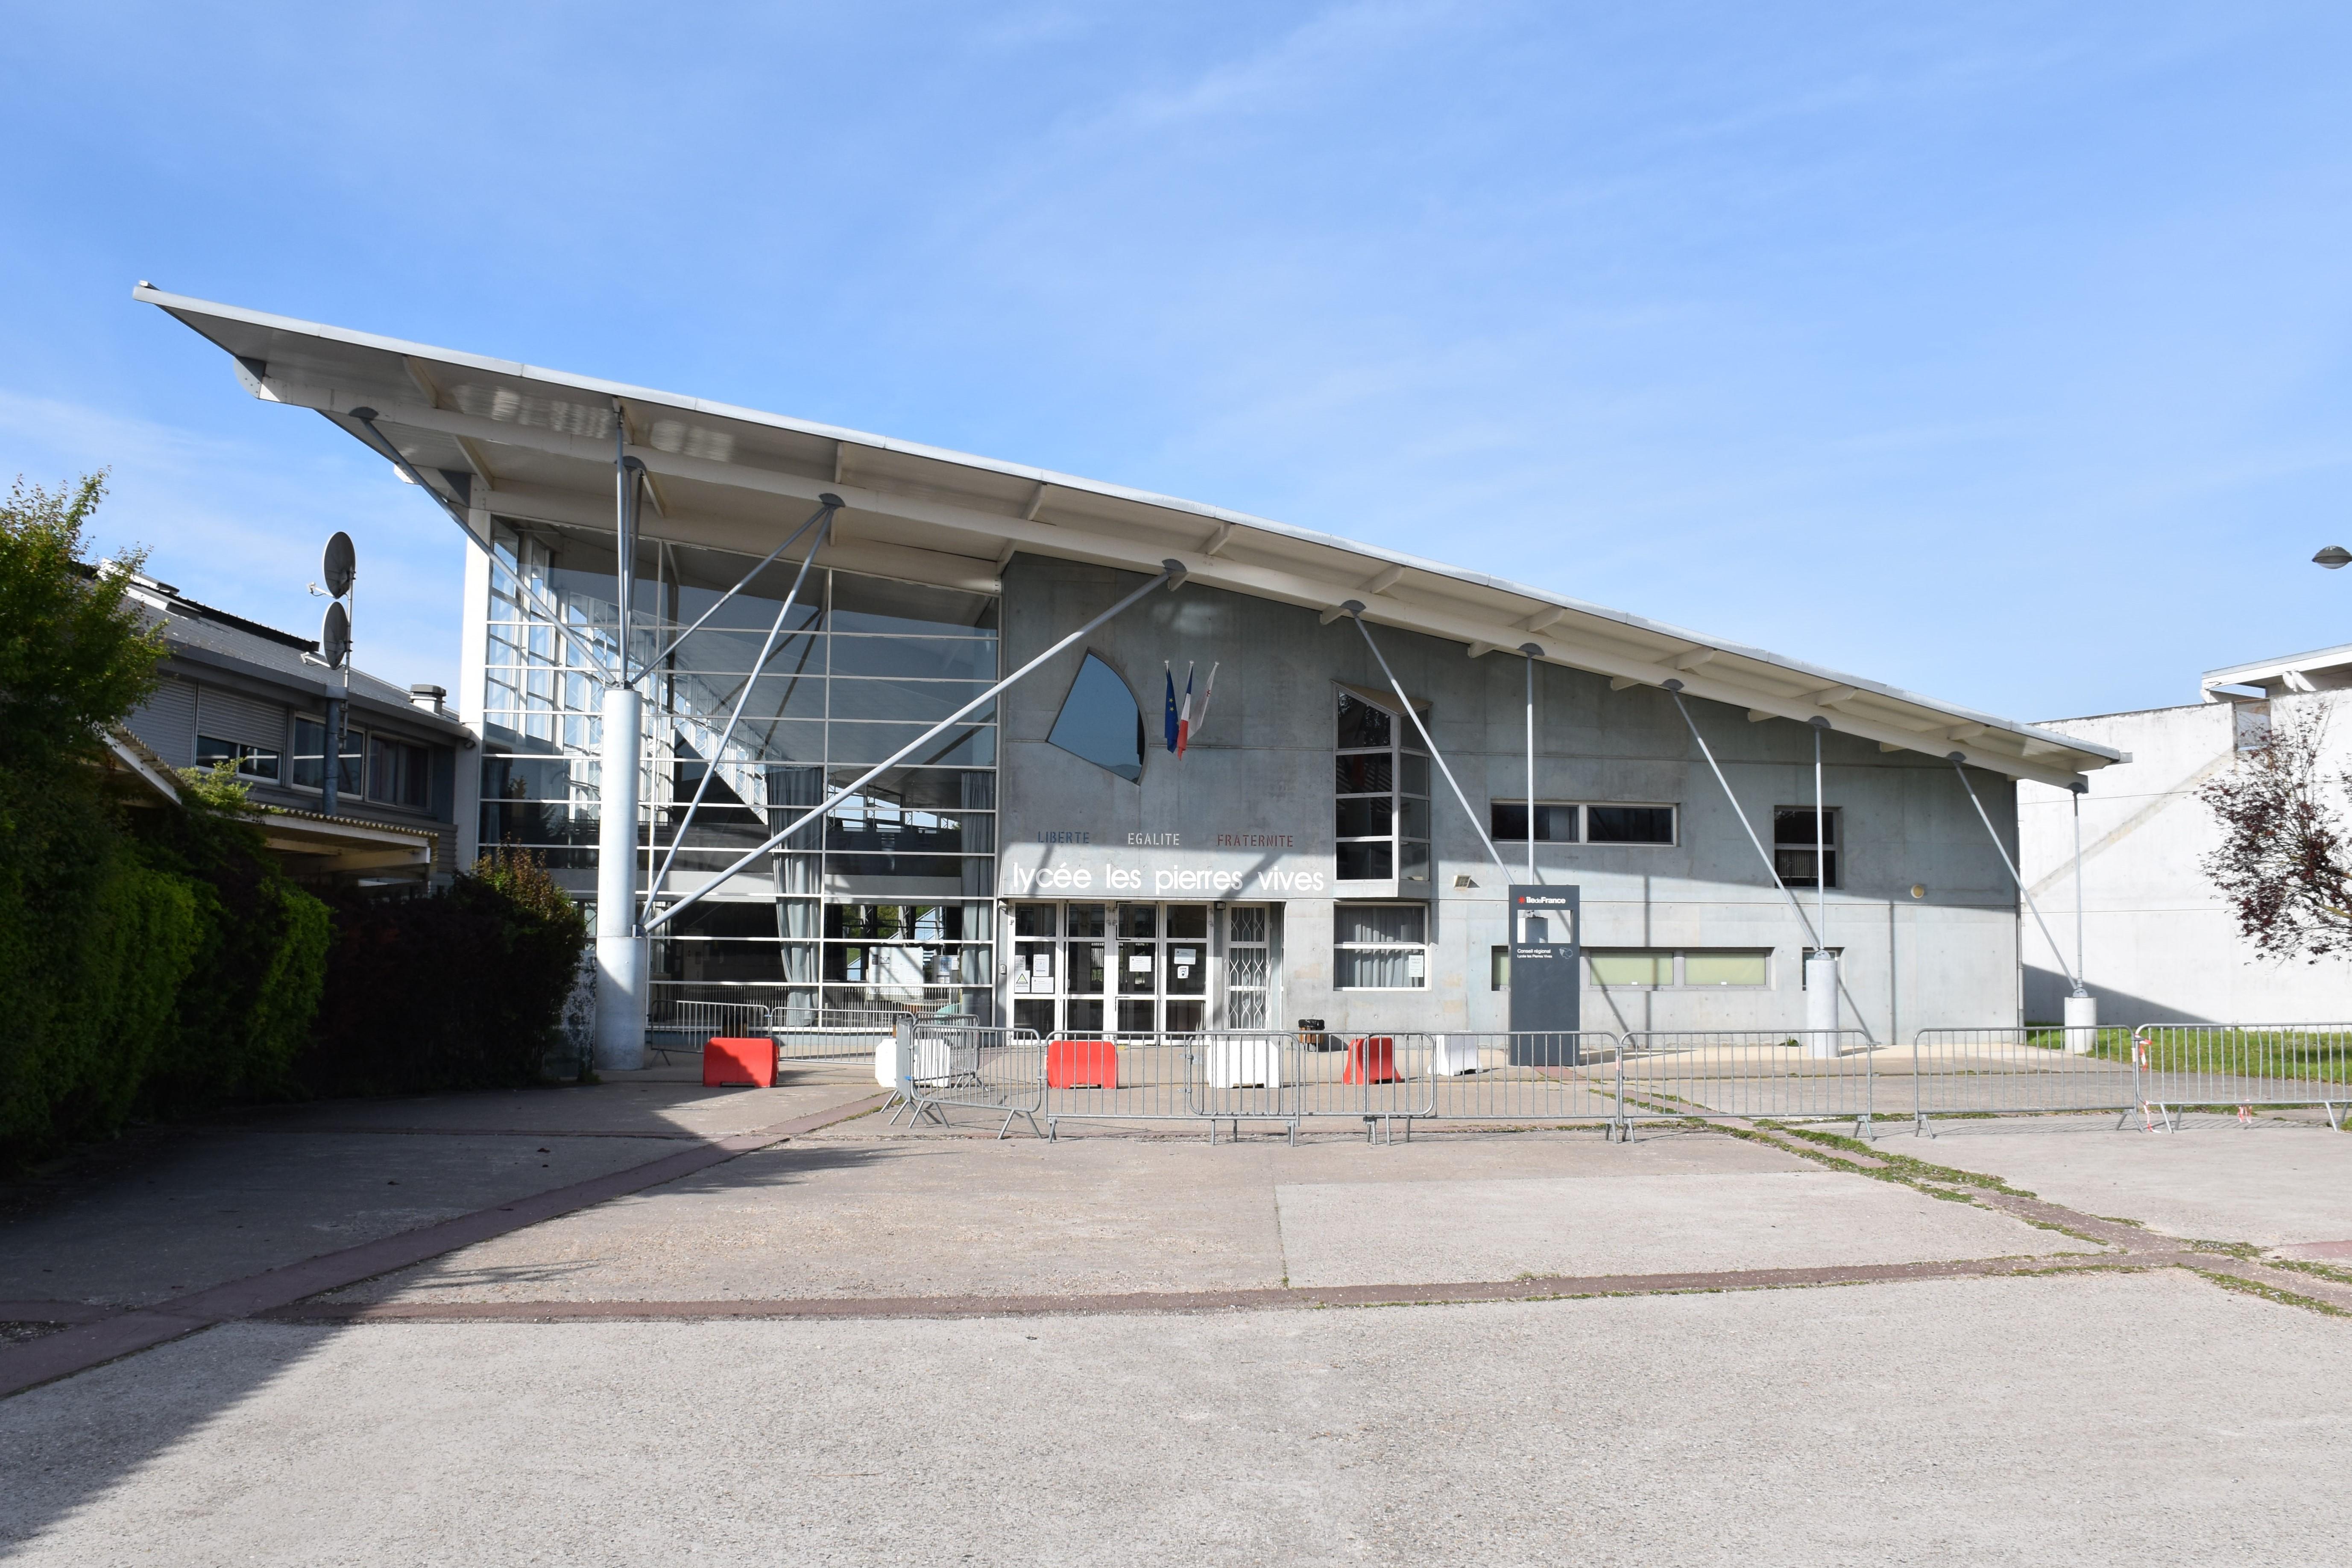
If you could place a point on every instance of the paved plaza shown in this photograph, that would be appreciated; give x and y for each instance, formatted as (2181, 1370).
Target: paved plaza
(650, 1322)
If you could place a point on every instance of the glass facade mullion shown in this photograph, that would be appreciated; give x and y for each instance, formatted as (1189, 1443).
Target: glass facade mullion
(888, 904)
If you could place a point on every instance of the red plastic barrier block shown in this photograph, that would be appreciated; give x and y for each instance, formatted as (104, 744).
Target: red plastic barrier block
(1371, 1060)
(1082, 1064)
(733, 1063)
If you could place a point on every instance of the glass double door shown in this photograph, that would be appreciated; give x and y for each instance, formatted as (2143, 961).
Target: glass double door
(1139, 969)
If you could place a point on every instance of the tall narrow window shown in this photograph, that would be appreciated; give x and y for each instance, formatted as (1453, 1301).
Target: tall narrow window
(1381, 790)
(1793, 846)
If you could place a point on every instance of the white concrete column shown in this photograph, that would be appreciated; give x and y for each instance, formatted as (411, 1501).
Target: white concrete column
(2081, 1025)
(621, 953)
(1821, 1005)
(473, 681)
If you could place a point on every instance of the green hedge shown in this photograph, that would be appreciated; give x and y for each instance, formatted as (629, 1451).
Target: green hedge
(149, 971)
(461, 987)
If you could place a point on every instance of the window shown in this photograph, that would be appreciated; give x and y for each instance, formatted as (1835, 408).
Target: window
(1380, 947)
(1680, 969)
(1100, 721)
(309, 756)
(398, 773)
(1792, 845)
(1498, 969)
(1629, 824)
(252, 762)
(1381, 796)
(1556, 823)
(1564, 822)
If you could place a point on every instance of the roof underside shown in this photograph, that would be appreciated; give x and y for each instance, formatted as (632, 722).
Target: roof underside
(537, 446)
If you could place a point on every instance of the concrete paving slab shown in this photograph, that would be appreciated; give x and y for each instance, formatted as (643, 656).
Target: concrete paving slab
(655, 1103)
(2273, 1183)
(839, 1216)
(1987, 1422)
(218, 1205)
(1362, 1233)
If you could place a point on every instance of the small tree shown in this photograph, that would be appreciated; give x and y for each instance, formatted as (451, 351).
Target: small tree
(75, 656)
(2285, 864)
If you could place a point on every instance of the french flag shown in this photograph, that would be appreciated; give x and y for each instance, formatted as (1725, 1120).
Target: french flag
(1186, 719)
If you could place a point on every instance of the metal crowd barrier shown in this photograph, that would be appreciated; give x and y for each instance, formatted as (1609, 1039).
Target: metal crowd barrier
(1232, 1076)
(1775, 1074)
(680, 1026)
(2183, 1066)
(976, 1068)
(2022, 1071)
(829, 1034)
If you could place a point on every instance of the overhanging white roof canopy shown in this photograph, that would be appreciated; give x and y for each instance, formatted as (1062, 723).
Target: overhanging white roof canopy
(500, 437)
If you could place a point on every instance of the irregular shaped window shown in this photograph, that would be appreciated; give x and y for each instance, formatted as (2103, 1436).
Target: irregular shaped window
(1100, 721)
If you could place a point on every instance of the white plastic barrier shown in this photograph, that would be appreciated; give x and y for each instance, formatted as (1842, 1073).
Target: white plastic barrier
(1243, 1064)
(1452, 1055)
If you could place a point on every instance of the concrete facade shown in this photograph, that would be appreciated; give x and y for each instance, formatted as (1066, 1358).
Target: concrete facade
(2158, 943)
(1247, 815)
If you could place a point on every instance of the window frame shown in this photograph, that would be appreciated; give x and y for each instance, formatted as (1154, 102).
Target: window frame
(1678, 955)
(1834, 846)
(1584, 840)
(1422, 948)
(1398, 796)
(245, 752)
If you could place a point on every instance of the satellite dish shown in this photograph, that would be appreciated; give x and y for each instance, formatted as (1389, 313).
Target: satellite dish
(335, 635)
(339, 565)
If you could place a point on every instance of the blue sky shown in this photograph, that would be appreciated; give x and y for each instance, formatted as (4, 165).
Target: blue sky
(1996, 351)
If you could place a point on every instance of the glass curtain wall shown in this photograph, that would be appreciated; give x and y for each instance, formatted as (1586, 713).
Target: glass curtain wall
(886, 904)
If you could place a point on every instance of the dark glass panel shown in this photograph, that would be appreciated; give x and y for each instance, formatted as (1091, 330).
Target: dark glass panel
(880, 604)
(916, 659)
(1634, 824)
(1372, 773)
(1362, 724)
(1370, 861)
(1363, 816)
(1101, 721)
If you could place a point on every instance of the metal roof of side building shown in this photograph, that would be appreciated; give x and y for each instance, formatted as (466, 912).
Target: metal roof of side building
(499, 439)
(202, 634)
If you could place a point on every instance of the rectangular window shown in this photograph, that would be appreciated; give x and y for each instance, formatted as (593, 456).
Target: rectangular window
(1681, 969)
(309, 770)
(1556, 822)
(1793, 856)
(1629, 824)
(1380, 947)
(252, 762)
(1381, 796)
(398, 773)
(1498, 969)
(1568, 822)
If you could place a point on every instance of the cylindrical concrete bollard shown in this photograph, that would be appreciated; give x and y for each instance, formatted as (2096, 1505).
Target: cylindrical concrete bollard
(2081, 1025)
(1820, 1004)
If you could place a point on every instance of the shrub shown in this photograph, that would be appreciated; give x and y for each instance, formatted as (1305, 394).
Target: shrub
(159, 967)
(457, 988)
(245, 1014)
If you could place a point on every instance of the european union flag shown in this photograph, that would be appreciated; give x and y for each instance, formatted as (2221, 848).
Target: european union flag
(1171, 706)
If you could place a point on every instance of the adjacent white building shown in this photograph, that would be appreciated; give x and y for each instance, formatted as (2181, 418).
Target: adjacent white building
(2157, 943)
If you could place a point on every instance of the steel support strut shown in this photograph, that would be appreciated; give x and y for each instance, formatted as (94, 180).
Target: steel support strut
(1171, 574)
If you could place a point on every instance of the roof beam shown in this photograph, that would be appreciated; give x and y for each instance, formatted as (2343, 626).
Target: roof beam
(1036, 502)
(1384, 581)
(1217, 541)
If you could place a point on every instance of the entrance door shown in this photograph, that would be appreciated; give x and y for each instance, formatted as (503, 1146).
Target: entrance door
(1138, 971)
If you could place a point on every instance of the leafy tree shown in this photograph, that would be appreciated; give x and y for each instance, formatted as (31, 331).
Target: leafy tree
(2285, 864)
(75, 654)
